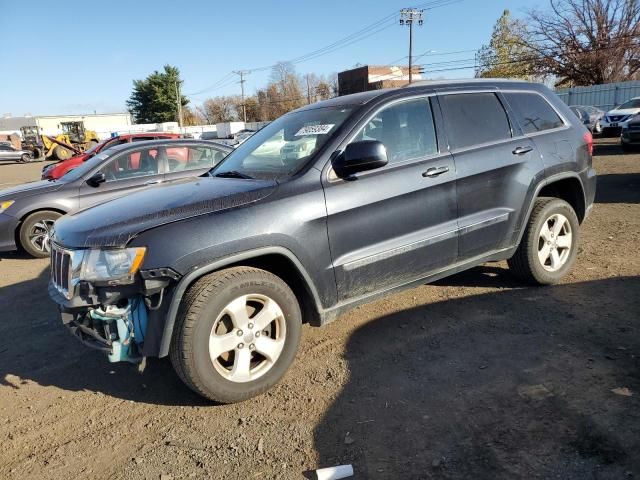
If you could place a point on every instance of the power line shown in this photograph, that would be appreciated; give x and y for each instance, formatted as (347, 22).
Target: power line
(366, 32)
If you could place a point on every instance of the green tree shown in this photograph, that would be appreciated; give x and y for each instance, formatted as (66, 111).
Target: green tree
(506, 55)
(153, 99)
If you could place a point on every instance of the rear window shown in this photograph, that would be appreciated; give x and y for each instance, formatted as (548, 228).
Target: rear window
(533, 112)
(474, 118)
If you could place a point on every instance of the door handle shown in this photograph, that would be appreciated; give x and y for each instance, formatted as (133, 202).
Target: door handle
(152, 182)
(522, 150)
(435, 171)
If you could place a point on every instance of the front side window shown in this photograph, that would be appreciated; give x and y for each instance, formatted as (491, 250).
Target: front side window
(191, 158)
(285, 145)
(474, 119)
(533, 112)
(137, 163)
(406, 130)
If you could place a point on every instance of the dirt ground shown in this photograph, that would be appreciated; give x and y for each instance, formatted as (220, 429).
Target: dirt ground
(474, 377)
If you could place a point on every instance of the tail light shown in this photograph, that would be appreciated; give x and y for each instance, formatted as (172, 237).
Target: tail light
(588, 138)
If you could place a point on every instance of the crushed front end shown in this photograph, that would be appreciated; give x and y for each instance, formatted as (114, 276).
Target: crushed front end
(108, 302)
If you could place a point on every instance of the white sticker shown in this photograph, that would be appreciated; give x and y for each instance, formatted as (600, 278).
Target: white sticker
(315, 130)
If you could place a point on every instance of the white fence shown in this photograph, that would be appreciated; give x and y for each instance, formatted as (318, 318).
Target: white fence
(605, 96)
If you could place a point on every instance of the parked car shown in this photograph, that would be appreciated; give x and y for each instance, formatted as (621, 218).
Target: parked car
(590, 116)
(9, 152)
(630, 137)
(401, 187)
(54, 171)
(615, 120)
(27, 212)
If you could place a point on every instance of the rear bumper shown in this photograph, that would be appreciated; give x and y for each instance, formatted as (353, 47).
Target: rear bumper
(8, 226)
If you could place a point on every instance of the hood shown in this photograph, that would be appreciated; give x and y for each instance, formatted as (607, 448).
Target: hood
(115, 223)
(624, 111)
(28, 189)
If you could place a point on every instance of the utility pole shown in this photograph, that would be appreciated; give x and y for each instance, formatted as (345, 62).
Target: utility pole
(407, 17)
(308, 89)
(242, 73)
(179, 103)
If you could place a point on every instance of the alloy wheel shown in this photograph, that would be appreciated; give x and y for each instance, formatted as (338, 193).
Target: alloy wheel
(555, 242)
(247, 338)
(39, 235)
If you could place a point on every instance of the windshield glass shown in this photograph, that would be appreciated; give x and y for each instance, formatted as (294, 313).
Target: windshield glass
(285, 145)
(84, 168)
(635, 103)
(96, 146)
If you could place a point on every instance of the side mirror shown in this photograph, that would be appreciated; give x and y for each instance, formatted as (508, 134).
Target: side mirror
(359, 157)
(96, 179)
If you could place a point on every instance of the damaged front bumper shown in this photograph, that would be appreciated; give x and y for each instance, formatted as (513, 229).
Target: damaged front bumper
(125, 322)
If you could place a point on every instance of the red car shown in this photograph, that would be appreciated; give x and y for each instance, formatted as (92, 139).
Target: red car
(54, 171)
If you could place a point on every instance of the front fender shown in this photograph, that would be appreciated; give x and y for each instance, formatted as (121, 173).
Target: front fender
(188, 279)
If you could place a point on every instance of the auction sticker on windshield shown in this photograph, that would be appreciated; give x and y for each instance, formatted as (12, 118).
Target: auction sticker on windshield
(315, 130)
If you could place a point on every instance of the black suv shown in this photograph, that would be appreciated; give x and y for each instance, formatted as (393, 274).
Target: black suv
(328, 207)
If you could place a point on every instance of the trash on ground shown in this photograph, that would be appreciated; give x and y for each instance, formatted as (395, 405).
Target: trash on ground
(335, 473)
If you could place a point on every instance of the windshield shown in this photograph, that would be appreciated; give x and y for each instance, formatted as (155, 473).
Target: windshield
(285, 145)
(96, 147)
(635, 103)
(84, 168)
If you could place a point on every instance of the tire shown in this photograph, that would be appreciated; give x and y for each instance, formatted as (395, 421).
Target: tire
(202, 317)
(527, 263)
(25, 158)
(62, 153)
(597, 128)
(33, 235)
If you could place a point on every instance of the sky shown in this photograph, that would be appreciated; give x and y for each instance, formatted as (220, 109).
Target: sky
(71, 56)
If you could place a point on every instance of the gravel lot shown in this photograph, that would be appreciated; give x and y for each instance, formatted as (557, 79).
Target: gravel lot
(474, 377)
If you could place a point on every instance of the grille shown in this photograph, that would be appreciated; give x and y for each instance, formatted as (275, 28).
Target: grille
(61, 269)
(616, 118)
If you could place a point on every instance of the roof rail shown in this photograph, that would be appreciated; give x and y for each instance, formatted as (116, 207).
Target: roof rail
(463, 80)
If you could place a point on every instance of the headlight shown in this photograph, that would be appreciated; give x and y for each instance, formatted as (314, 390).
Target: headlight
(115, 266)
(6, 204)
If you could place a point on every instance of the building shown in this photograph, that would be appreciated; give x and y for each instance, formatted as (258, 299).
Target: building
(372, 77)
(102, 123)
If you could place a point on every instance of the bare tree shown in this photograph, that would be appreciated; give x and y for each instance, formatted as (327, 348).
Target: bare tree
(219, 109)
(586, 42)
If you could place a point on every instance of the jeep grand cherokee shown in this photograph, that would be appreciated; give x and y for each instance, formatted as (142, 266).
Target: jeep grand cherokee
(400, 187)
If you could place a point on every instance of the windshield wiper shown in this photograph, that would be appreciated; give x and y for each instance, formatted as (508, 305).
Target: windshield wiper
(233, 174)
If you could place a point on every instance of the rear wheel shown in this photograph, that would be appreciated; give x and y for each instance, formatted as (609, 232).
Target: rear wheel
(25, 158)
(34, 235)
(236, 334)
(549, 245)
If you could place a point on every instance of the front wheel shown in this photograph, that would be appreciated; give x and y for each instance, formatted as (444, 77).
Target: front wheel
(549, 245)
(236, 334)
(34, 234)
(25, 158)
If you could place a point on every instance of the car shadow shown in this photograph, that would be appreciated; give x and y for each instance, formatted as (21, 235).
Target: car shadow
(510, 384)
(618, 188)
(609, 146)
(36, 347)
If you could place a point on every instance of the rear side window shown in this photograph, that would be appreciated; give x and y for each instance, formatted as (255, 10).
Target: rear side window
(406, 129)
(533, 112)
(474, 118)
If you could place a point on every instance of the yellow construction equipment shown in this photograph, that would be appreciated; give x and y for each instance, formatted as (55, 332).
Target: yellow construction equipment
(74, 139)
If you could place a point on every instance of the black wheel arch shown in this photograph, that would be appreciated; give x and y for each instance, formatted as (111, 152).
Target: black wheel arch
(567, 186)
(277, 260)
